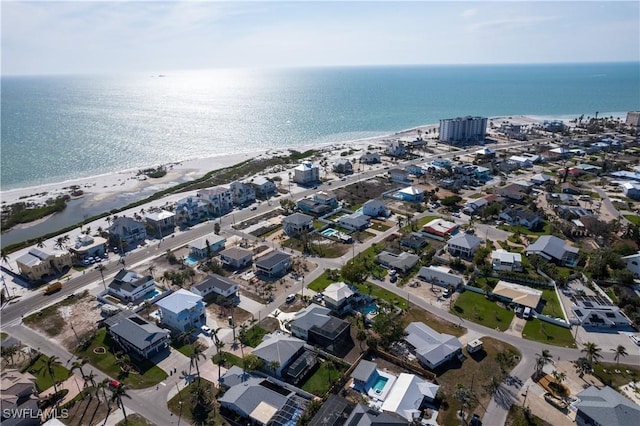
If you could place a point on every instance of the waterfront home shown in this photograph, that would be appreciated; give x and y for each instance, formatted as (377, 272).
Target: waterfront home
(129, 286)
(396, 149)
(136, 336)
(520, 216)
(604, 406)
(339, 297)
(440, 276)
(342, 166)
(274, 264)
(162, 222)
(41, 263)
(370, 158)
(402, 262)
(215, 284)
(279, 351)
(264, 187)
(306, 173)
(399, 176)
(18, 394)
(518, 294)
(88, 246)
(219, 198)
(127, 231)
(553, 248)
(183, 311)
(430, 347)
(315, 325)
(375, 208)
(209, 244)
(236, 257)
(191, 209)
(502, 260)
(355, 221)
(463, 245)
(297, 224)
(242, 193)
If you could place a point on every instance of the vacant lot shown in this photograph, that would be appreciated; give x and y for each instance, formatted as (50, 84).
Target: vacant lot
(548, 333)
(477, 308)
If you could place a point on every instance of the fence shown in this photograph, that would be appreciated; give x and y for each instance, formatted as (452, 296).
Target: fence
(561, 323)
(474, 289)
(405, 364)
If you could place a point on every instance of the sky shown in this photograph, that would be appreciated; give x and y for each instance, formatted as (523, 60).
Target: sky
(84, 37)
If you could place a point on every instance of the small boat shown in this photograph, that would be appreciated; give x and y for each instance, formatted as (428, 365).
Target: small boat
(560, 404)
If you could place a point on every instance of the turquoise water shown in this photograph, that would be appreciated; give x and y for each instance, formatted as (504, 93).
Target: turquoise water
(370, 308)
(57, 128)
(328, 232)
(191, 261)
(380, 383)
(152, 294)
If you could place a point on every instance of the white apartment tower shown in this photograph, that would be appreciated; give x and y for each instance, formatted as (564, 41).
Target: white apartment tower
(462, 130)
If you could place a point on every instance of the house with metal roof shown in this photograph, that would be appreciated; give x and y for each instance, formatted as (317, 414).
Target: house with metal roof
(211, 243)
(315, 325)
(306, 173)
(518, 294)
(183, 311)
(463, 245)
(541, 179)
(338, 297)
(430, 347)
(285, 356)
(596, 312)
(263, 186)
(236, 257)
(553, 248)
(407, 396)
(355, 221)
(399, 176)
(412, 194)
(402, 262)
(129, 286)
(275, 264)
(370, 158)
(375, 208)
(296, 224)
(440, 276)
(215, 284)
(343, 166)
(137, 336)
(633, 263)
(605, 406)
(40, 263)
(502, 260)
(161, 222)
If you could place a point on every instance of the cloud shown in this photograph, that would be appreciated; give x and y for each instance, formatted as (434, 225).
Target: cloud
(509, 24)
(467, 13)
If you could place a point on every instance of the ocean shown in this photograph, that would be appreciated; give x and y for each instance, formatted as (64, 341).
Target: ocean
(56, 128)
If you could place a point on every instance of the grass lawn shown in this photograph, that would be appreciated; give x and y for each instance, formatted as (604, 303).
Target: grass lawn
(614, 379)
(135, 420)
(379, 226)
(612, 295)
(148, 374)
(43, 379)
(564, 272)
(3, 335)
(253, 336)
(184, 348)
(383, 294)
(181, 404)
(552, 304)
(544, 332)
(476, 195)
(633, 218)
(232, 359)
(517, 417)
(438, 324)
(319, 383)
(420, 223)
(320, 283)
(475, 307)
(519, 228)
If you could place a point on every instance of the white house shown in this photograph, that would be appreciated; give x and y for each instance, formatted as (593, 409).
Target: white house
(526, 218)
(431, 348)
(375, 208)
(399, 176)
(338, 297)
(553, 248)
(631, 190)
(407, 396)
(520, 161)
(440, 275)
(216, 284)
(342, 166)
(127, 230)
(242, 193)
(183, 311)
(370, 158)
(220, 198)
(296, 224)
(130, 286)
(633, 263)
(464, 245)
(502, 260)
(263, 186)
(396, 149)
(355, 221)
(162, 222)
(190, 209)
(306, 173)
(198, 248)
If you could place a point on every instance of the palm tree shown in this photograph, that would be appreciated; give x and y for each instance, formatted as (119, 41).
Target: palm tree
(197, 352)
(558, 376)
(463, 396)
(592, 352)
(77, 365)
(116, 395)
(90, 378)
(40, 242)
(101, 268)
(542, 359)
(8, 352)
(220, 360)
(251, 362)
(620, 351)
(582, 366)
(243, 331)
(273, 366)
(49, 364)
(152, 268)
(5, 258)
(61, 242)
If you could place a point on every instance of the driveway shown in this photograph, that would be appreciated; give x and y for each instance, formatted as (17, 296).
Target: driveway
(250, 305)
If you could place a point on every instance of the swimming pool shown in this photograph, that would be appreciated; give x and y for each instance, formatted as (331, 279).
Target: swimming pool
(191, 261)
(155, 292)
(329, 232)
(370, 308)
(380, 384)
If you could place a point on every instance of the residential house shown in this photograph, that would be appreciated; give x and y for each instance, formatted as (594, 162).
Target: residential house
(440, 227)
(561, 198)
(216, 285)
(338, 411)
(415, 170)
(553, 248)
(297, 224)
(306, 173)
(42, 263)
(183, 311)
(309, 205)
(88, 246)
(412, 194)
(127, 231)
(191, 209)
(631, 190)
(129, 286)
(485, 153)
(482, 173)
(519, 216)
(343, 166)
(430, 347)
(219, 198)
(339, 297)
(317, 327)
(605, 406)
(520, 161)
(399, 176)
(572, 212)
(264, 187)
(210, 244)
(242, 193)
(370, 158)
(327, 198)
(589, 168)
(441, 163)
(402, 262)
(519, 294)
(475, 204)
(366, 416)
(526, 185)
(375, 208)
(568, 188)
(162, 222)
(541, 179)
(18, 394)
(463, 245)
(502, 260)
(633, 263)
(262, 402)
(598, 313)
(355, 221)
(396, 149)
(274, 264)
(440, 276)
(414, 240)
(511, 191)
(285, 357)
(408, 395)
(236, 257)
(137, 336)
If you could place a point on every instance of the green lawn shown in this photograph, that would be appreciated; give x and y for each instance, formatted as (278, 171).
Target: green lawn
(253, 336)
(552, 306)
(550, 334)
(564, 272)
(614, 379)
(440, 325)
(383, 294)
(612, 295)
(420, 223)
(635, 219)
(519, 228)
(320, 381)
(477, 308)
(148, 374)
(518, 417)
(184, 348)
(3, 335)
(320, 283)
(135, 419)
(232, 359)
(476, 195)
(379, 226)
(43, 379)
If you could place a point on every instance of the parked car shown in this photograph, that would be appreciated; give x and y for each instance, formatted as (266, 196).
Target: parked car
(291, 298)
(206, 330)
(446, 293)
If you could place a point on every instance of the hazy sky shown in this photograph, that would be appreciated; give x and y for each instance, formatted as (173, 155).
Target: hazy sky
(51, 37)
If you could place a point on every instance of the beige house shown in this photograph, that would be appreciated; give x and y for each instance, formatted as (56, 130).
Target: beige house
(40, 263)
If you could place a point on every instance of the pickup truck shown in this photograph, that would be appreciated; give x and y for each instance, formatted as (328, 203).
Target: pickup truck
(52, 288)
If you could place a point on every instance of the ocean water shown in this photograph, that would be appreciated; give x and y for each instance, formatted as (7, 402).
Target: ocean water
(57, 128)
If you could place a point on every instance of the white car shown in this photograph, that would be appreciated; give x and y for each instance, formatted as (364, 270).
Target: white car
(635, 339)
(206, 330)
(291, 298)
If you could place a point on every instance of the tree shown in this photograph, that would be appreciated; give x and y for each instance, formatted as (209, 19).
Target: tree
(389, 329)
(61, 242)
(8, 352)
(5, 258)
(77, 365)
(361, 336)
(592, 352)
(117, 393)
(216, 228)
(542, 359)
(558, 376)
(90, 378)
(152, 268)
(48, 365)
(273, 366)
(451, 200)
(288, 205)
(355, 271)
(582, 366)
(620, 351)
(101, 268)
(463, 396)
(219, 359)
(197, 352)
(251, 362)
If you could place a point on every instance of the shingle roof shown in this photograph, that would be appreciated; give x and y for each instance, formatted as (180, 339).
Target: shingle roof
(129, 280)
(201, 243)
(298, 219)
(247, 396)
(271, 260)
(364, 370)
(551, 246)
(312, 315)
(215, 281)
(465, 240)
(430, 344)
(402, 261)
(520, 294)
(338, 291)
(278, 347)
(135, 329)
(607, 407)
(235, 252)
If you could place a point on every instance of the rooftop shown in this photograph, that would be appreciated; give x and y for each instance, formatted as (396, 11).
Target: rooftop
(179, 301)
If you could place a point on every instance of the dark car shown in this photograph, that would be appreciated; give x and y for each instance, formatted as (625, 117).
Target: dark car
(475, 421)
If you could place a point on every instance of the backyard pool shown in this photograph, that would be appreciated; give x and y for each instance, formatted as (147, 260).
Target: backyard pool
(329, 232)
(380, 384)
(370, 308)
(191, 261)
(155, 292)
